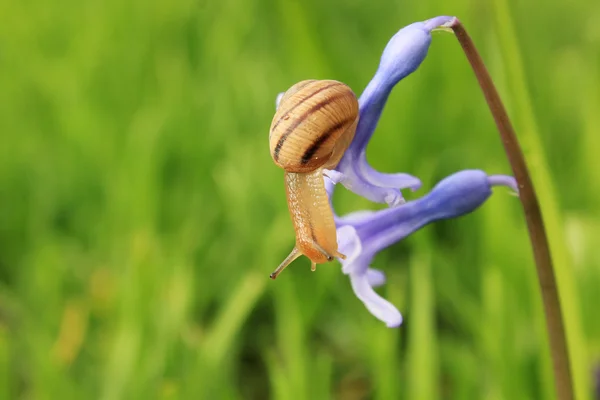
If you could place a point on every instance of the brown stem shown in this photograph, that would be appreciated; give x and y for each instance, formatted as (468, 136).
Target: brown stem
(533, 216)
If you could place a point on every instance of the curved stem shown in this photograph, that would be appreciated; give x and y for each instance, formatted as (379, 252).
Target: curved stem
(533, 216)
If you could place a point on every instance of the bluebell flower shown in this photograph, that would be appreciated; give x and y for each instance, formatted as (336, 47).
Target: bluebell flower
(361, 235)
(401, 57)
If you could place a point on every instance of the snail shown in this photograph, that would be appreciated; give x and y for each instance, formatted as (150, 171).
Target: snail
(312, 128)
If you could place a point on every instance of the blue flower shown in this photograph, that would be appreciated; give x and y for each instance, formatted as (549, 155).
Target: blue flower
(401, 57)
(363, 234)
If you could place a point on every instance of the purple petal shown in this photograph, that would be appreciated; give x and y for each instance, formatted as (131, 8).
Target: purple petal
(375, 277)
(439, 21)
(363, 278)
(377, 305)
(355, 181)
(504, 180)
(456, 195)
(355, 217)
(350, 245)
(403, 54)
(334, 176)
(361, 235)
(398, 181)
(329, 188)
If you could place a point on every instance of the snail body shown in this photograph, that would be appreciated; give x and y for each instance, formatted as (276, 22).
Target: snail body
(312, 128)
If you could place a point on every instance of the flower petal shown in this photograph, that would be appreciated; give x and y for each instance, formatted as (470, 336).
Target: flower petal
(403, 54)
(398, 180)
(437, 22)
(504, 180)
(364, 234)
(350, 245)
(456, 195)
(355, 217)
(459, 194)
(377, 305)
(375, 277)
(354, 180)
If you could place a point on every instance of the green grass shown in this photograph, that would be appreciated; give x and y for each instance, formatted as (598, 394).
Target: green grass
(140, 211)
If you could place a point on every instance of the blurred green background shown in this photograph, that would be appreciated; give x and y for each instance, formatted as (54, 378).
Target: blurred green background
(141, 214)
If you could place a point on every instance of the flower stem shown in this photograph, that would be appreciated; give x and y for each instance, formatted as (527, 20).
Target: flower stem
(533, 216)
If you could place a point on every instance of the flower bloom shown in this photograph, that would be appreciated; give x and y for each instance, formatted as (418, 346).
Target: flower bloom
(401, 57)
(363, 234)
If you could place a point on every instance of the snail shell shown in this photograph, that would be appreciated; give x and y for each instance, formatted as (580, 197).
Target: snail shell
(311, 125)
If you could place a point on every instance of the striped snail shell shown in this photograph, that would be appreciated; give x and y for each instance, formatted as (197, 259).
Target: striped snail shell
(312, 124)
(312, 128)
